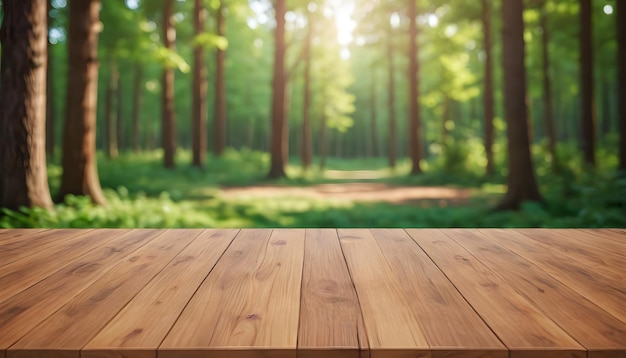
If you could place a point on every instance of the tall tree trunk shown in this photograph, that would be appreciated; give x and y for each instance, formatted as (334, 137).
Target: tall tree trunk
(415, 145)
(168, 125)
(374, 114)
(521, 179)
(323, 143)
(279, 135)
(80, 172)
(621, 75)
(307, 140)
(588, 110)
(200, 89)
(392, 145)
(50, 100)
(137, 102)
(220, 86)
(547, 90)
(488, 87)
(23, 174)
(119, 115)
(110, 112)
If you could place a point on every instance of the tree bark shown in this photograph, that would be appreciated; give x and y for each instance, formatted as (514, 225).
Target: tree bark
(168, 125)
(200, 89)
(137, 102)
(588, 110)
(391, 102)
(110, 111)
(279, 136)
(521, 179)
(50, 100)
(307, 140)
(621, 75)
(220, 86)
(80, 172)
(23, 173)
(547, 90)
(415, 145)
(488, 102)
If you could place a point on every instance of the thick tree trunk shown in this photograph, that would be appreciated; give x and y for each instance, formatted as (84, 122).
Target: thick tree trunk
(137, 102)
(488, 87)
(521, 180)
(220, 86)
(23, 174)
(307, 140)
(621, 75)
(547, 91)
(80, 172)
(279, 136)
(168, 124)
(415, 145)
(200, 89)
(50, 100)
(588, 110)
(391, 90)
(110, 111)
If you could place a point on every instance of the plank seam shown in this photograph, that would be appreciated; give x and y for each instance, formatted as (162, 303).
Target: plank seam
(196, 290)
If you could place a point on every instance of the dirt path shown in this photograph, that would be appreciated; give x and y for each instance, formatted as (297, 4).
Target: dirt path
(353, 192)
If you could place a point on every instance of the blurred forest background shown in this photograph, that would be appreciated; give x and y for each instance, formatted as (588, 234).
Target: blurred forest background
(313, 113)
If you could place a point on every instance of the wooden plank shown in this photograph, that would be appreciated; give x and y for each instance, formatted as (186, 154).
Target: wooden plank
(26, 244)
(601, 261)
(26, 310)
(604, 291)
(595, 329)
(392, 329)
(249, 305)
(449, 323)
(608, 239)
(518, 323)
(329, 309)
(19, 275)
(138, 330)
(69, 329)
(6, 234)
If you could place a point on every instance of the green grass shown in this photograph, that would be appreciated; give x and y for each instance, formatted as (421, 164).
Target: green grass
(141, 193)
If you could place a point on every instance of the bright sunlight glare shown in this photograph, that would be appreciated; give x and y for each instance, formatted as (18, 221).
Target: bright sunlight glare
(608, 9)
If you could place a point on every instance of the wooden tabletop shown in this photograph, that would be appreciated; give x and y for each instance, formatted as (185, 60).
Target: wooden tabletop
(282, 293)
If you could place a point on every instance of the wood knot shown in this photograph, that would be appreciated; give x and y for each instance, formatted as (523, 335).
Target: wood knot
(279, 243)
(252, 317)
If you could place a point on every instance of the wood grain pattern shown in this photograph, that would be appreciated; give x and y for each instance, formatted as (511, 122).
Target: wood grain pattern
(249, 305)
(28, 243)
(603, 239)
(526, 331)
(138, 330)
(329, 309)
(448, 321)
(392, 329)
(63, 335)
(19, 275)
(24, 311)
(6, 234)
(604, 291)
(601, 333)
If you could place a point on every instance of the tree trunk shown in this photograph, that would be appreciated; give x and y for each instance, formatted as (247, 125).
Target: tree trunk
(374, 114)
(621, 75)
(488, 89)
(415, 145)
(588, 110)
(220, 86)
(168, 125)
(23, 174)
(392, 102)
(80, 172)
(137, 102)
(200, 89)
(547, 91)
(307, 140)
(50, 100)
(323, 143)
(279, 135)
(110, 112)
(119, 115)
(521, 180)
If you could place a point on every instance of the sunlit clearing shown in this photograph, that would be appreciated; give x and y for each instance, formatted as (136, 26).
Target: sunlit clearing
(608, 9)
(345, 54)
